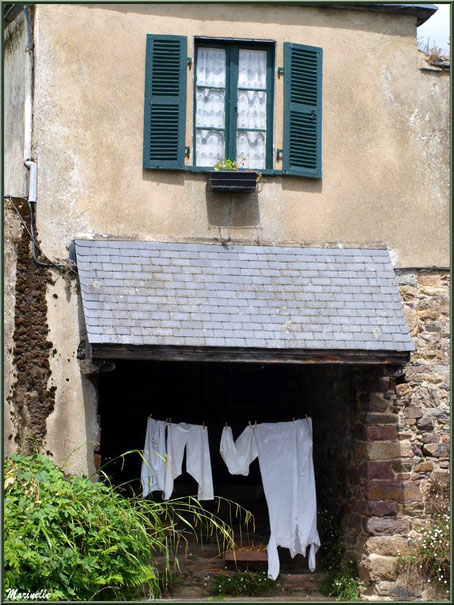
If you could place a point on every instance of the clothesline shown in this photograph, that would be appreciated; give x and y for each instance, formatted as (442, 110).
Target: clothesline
(217, 426)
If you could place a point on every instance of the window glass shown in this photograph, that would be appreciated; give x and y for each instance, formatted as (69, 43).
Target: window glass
(210, 108)
(251, 148)
(231, 113)
(251, 109)
(211, 67)
(210, 105)
(252, 69)
(209, 146)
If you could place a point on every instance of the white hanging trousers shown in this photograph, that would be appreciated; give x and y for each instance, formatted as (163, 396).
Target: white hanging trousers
(285, 459)
(194, 438)
(154, 457)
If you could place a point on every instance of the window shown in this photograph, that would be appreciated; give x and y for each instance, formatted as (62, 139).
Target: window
(233, 105)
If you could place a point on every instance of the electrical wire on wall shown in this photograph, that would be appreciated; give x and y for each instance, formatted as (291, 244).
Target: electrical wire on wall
(67, 267)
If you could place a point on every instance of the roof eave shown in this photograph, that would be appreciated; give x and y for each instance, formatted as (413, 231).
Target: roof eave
(422, 12)
(246, 354)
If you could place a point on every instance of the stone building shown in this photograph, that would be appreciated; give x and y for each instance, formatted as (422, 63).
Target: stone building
(133, 286)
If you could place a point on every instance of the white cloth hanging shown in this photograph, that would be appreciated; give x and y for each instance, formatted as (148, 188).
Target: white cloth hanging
(154, 457)
(194, 438)
(238, 454)
(285, 459)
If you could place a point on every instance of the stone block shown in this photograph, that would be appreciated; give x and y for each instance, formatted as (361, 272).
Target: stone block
(413, 412)
(376, 418)
(394, 490)
(436, 450)
(381, 508)
(382, 526)
(407, 279)
(389, 450)
(425, 423)
(412, 320)
(429, 280)
(403, 390)
(381, 433)
(377, 403)
(431, 438)
(424, 467)
(380, 567)
(396, 591)
(379, 470)
(389, 545)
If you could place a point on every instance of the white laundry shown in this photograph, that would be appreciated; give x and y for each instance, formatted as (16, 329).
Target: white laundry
(285, 459)
(194, 438)
(238, 454)
(154, 457)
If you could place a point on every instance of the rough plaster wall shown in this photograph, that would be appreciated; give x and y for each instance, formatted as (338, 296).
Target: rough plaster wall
(379, 115)
(15, 183)
(72, 427)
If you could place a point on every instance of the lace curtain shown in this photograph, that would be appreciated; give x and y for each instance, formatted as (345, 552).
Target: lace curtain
(251, 145)
(210, 107)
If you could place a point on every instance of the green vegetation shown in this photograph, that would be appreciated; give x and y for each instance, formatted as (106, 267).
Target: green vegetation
(226, 164)
(82, 541)
(241, 584)
(431, 561)
(342, 580)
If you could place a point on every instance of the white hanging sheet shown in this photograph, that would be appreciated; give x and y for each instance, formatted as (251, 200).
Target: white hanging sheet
(194, 438)
(154, 457)
(285, 459)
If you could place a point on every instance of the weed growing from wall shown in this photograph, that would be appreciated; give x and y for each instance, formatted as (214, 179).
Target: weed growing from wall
(431, 562)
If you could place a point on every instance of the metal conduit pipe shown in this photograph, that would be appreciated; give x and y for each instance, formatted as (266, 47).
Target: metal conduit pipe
(28, 102)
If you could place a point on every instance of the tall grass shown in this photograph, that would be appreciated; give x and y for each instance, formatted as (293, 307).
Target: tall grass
(85, 541)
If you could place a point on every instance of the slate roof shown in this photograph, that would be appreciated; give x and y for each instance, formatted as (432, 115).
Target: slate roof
(207, 295)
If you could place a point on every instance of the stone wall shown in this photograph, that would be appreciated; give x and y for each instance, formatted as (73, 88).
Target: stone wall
(400, 442)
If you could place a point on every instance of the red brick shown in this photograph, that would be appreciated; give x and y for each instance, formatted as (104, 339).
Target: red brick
(381, 433)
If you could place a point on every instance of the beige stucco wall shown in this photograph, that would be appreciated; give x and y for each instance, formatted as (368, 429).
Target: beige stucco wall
(15, 183)
(385, 141)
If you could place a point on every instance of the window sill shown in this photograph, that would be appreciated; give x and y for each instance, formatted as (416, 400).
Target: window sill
(264, 172)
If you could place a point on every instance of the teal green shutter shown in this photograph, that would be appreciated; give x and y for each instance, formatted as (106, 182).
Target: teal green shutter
(165, 102)
(302, 110)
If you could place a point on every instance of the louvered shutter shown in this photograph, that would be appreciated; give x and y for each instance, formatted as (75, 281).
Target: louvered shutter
(302, 110)
(165, 102)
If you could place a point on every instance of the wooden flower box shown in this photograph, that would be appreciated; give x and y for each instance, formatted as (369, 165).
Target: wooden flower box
(232, 181)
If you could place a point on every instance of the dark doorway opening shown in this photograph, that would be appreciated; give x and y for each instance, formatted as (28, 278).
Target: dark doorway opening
(216, 393)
